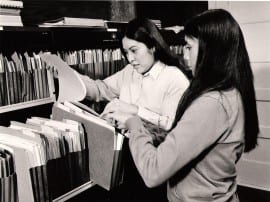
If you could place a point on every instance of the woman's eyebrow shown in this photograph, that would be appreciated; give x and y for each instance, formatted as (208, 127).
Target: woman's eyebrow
(132, 47)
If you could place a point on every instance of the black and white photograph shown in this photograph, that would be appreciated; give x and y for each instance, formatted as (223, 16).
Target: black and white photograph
(134, 101)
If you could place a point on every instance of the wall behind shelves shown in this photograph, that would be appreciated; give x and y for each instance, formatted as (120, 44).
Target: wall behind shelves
(27, 40)
(254, 19)
(39, 11)
(169, 12)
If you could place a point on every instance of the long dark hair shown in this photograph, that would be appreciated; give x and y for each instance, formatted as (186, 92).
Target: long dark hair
(145, 31)
(222, 63)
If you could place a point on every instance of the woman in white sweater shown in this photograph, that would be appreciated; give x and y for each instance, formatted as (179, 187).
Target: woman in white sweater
(153, 82)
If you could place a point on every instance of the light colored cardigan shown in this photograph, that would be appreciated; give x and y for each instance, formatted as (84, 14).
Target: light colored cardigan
(198, 156)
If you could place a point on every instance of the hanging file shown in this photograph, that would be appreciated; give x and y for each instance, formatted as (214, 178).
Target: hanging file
(104, 143)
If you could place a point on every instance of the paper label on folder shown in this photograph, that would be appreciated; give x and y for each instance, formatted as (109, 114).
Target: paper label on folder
(71, 86)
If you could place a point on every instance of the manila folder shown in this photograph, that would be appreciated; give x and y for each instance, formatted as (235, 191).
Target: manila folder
(100, 142)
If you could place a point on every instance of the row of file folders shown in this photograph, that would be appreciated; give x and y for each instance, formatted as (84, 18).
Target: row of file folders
(43, 159)
(96, 63)
(25, 77)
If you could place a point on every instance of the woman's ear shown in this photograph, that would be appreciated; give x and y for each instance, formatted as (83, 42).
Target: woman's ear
(153, 50)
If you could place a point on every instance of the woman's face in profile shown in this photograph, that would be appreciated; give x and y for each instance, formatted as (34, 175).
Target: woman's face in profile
(138, 55)
(191, 50)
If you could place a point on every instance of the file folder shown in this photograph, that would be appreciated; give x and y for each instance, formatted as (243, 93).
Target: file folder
(105, 156)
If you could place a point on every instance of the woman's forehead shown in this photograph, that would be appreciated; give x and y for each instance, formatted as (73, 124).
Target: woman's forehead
(128, 43)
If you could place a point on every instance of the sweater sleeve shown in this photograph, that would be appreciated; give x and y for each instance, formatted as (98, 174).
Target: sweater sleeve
(104, 90)
(201, 125)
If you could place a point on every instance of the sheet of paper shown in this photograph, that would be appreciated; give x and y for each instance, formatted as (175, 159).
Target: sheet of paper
(71, 86)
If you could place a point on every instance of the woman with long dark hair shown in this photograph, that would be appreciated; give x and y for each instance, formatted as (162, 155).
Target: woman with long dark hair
(151, 84)
(216, 120)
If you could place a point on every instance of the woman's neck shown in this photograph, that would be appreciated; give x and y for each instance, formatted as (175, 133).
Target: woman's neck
(155, 62)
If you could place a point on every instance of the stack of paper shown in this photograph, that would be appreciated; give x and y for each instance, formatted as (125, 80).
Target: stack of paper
(74, 22)
(10, 13)
(68, 79)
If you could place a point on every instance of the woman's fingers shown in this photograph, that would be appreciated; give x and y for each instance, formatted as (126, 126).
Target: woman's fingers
(110, 107)
(121, 125)
(104, 114)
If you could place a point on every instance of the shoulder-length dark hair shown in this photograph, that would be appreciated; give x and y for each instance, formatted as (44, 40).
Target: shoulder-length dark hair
(145, 31)
(222, 63)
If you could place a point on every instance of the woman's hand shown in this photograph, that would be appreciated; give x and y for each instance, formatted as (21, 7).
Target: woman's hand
(117, 105)
(119, 118)
(117, 112)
